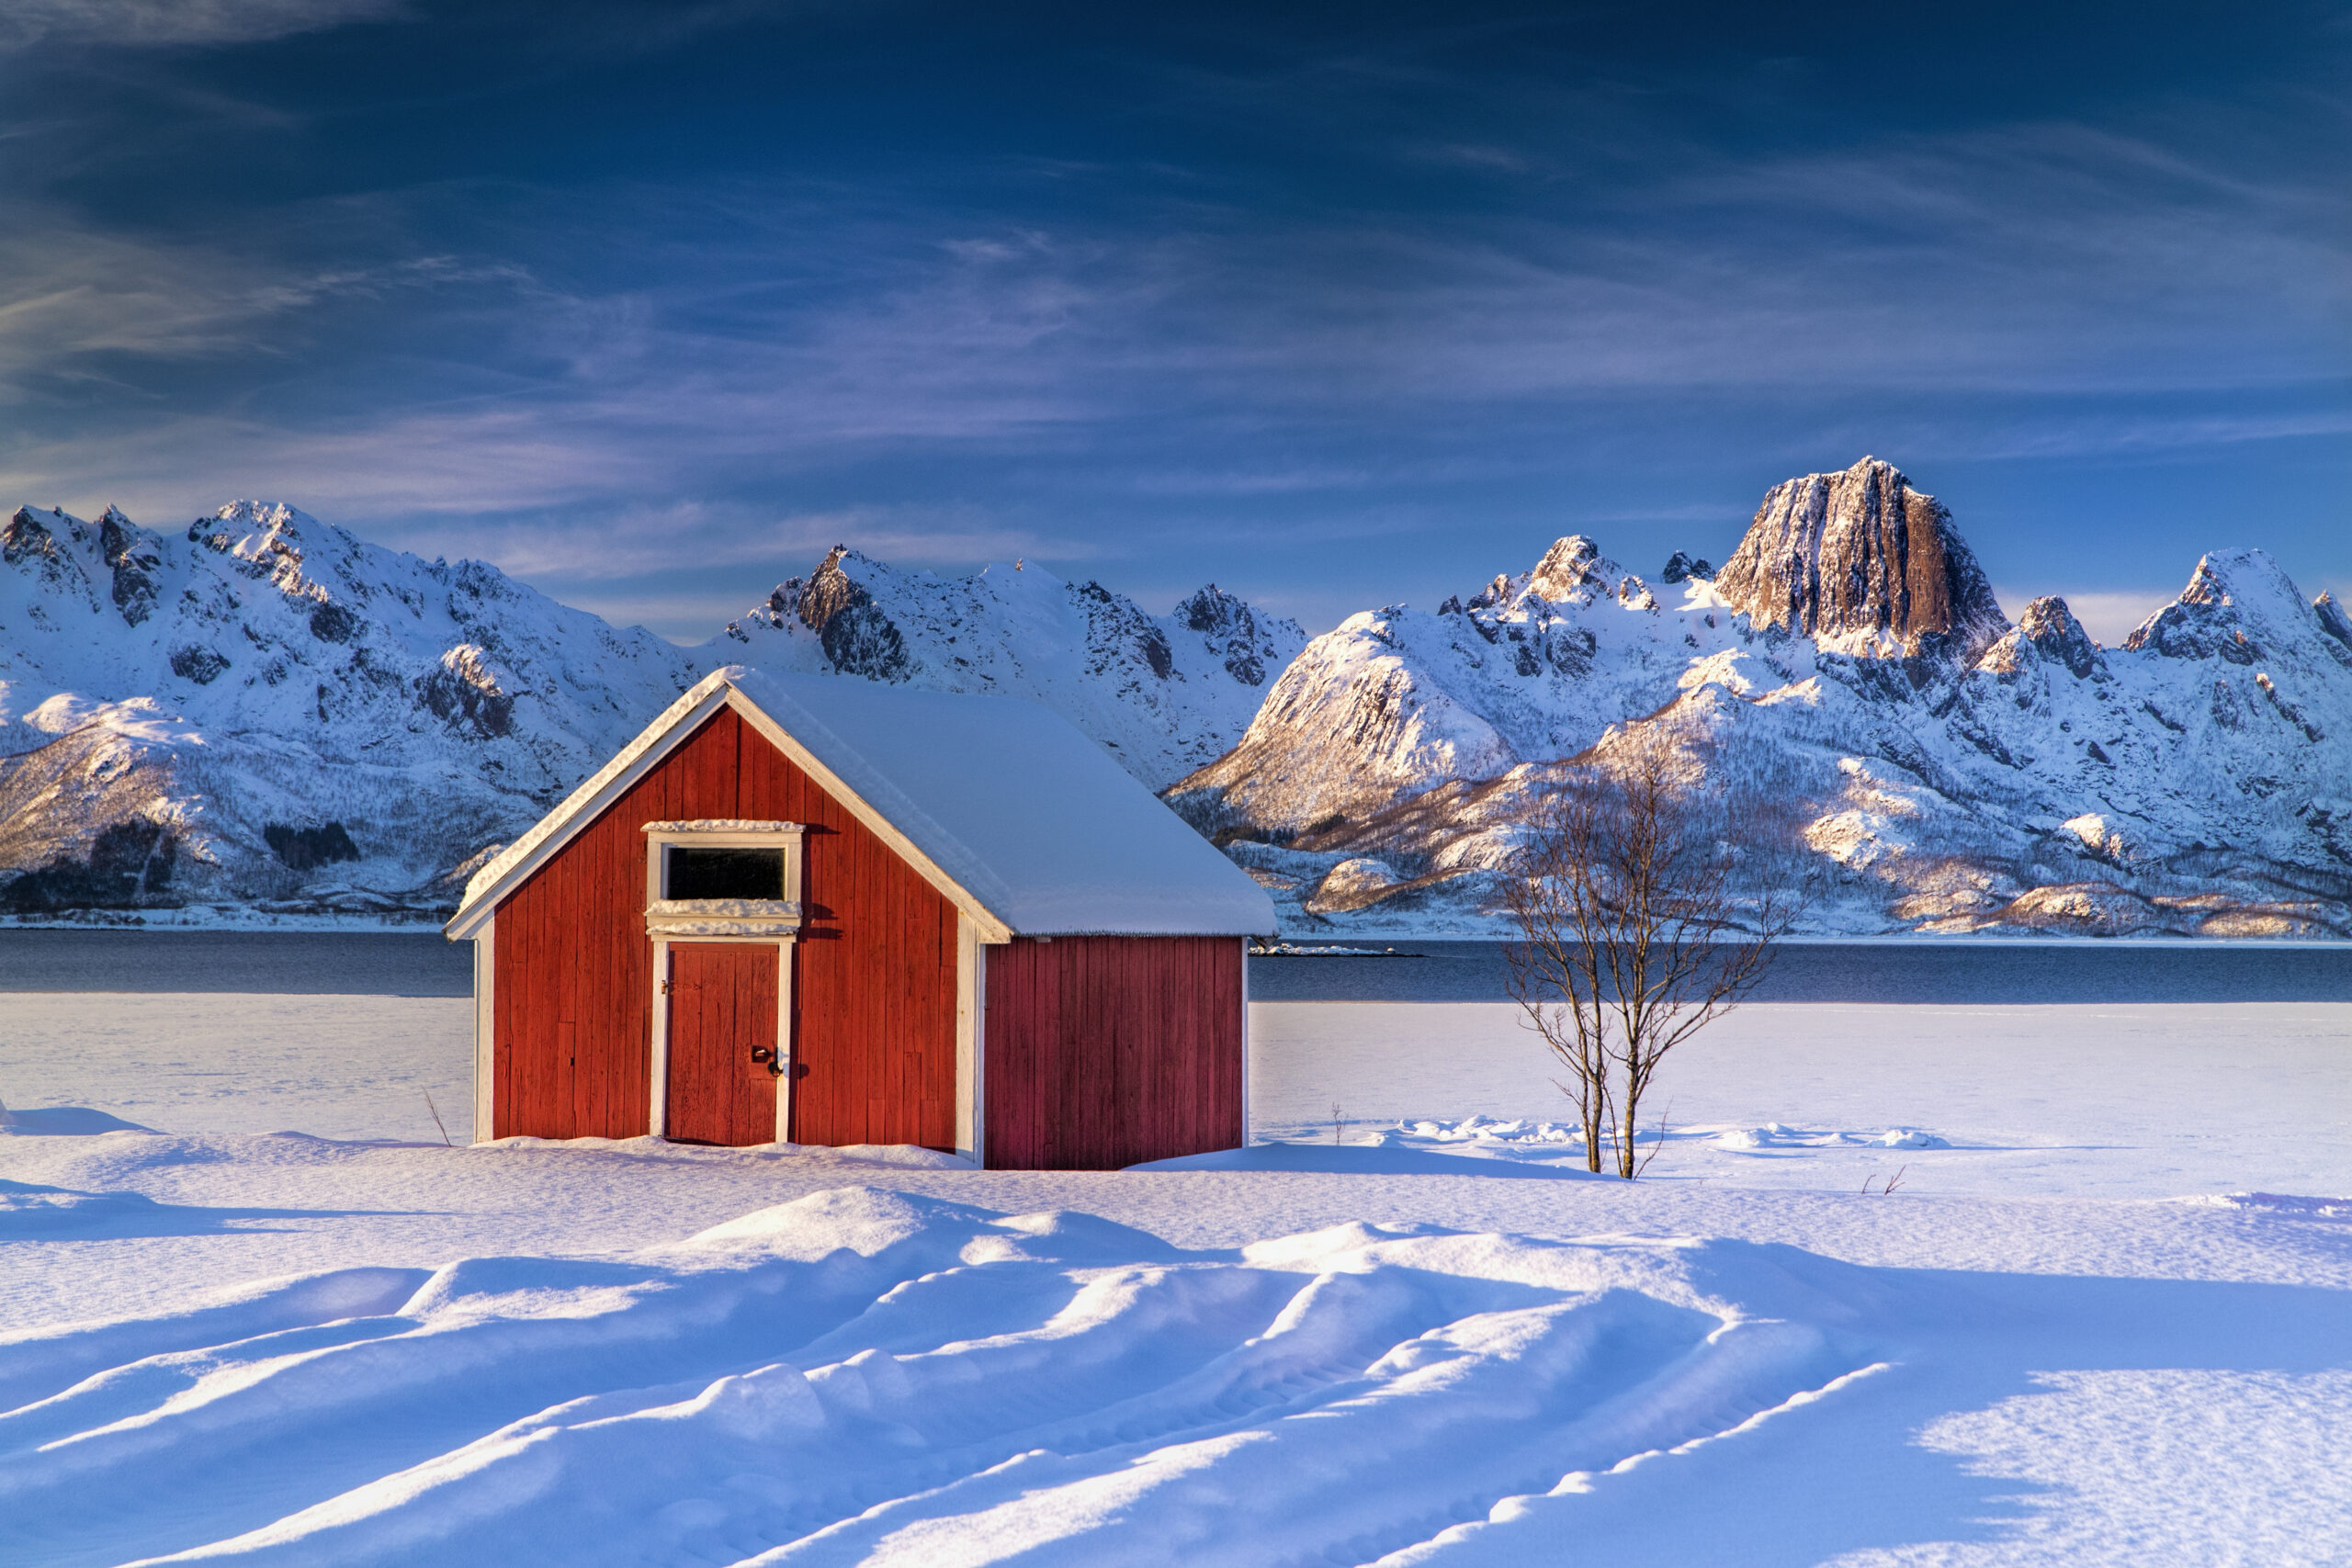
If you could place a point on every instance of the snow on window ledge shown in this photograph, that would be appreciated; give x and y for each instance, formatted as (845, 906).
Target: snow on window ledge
(722, 917)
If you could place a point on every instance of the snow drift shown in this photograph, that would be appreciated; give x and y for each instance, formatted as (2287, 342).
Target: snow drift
(875, 1377)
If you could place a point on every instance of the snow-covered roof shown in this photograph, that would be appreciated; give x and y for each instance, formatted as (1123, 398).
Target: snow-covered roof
(1017, 815)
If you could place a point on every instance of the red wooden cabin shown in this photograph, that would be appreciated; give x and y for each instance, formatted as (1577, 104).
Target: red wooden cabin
(822, 911)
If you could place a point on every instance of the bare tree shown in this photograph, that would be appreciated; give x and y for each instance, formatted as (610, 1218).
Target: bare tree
(1639, 922)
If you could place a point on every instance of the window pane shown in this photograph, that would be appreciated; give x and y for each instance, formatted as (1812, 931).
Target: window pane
(725, 873)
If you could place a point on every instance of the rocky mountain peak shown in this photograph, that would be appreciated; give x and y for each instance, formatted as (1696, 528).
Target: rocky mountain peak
(134, 556)
(31, 535)
(2332, 620)
(259, 528)
(827, 593)
(268, 535)
(1572, 572)
(858, 637)
(2051, 626)
(2238, 605)
(1244, 640)
(1682, 568)
(1861, 560)
(1568, 566)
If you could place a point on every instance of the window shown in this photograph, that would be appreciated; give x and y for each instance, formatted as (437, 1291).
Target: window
(722, 878)
(724, 873)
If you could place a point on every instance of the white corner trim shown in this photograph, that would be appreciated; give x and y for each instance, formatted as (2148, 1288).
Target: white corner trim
(972, 982)
(1247, 1062)
(657, 1055)
(786, 1056)
(486, 1030)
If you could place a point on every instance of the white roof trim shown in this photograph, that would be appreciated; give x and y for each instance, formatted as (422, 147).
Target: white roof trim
(494, 882)
(992, 927)
(514, 866)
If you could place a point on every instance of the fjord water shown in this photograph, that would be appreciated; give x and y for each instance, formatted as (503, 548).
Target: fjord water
(421, 964)
(351, 964)
(1926, 971)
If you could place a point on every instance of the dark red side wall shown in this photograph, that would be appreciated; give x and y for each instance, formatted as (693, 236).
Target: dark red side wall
(875, 973)
(1104, 1051)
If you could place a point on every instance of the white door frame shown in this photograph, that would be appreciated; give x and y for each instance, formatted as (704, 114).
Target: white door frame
(737, 922)
(658, 1097)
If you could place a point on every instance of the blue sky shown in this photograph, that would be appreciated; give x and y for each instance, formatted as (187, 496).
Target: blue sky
(1338, 306)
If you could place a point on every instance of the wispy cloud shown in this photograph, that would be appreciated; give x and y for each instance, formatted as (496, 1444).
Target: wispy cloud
(156, 23)
(971, 353)
(649, 540)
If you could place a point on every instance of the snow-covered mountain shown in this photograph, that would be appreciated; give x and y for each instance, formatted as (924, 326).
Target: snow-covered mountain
(1948, 772)
(1163, 694)
(265, 715)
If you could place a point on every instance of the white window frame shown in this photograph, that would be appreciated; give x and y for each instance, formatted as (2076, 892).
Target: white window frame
(665, 916)
(669, 921)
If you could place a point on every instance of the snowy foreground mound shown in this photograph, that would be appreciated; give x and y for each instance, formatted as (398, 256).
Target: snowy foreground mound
(870, 1376)
(866, 1376)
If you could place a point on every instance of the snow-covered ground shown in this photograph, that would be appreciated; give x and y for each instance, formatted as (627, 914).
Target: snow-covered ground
(335, 1066)
(2108, 1101)
(2055, 1341)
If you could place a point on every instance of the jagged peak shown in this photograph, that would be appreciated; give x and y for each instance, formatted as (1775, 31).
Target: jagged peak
(2055, 633)
(831, 589)
(2237, 604)
(270, 516)
(1681, 568)
(2332, 618)
(1212, 609)
(2048, 616)
(1568, 566)
(1573, 564)
(2230, 577)
(264, 532)
(1860, 558)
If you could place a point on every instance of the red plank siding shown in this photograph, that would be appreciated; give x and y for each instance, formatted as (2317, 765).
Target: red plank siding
(875, 975)
(722, 1003)
(574, 1001)
(874, 989)
(1106, 1051)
